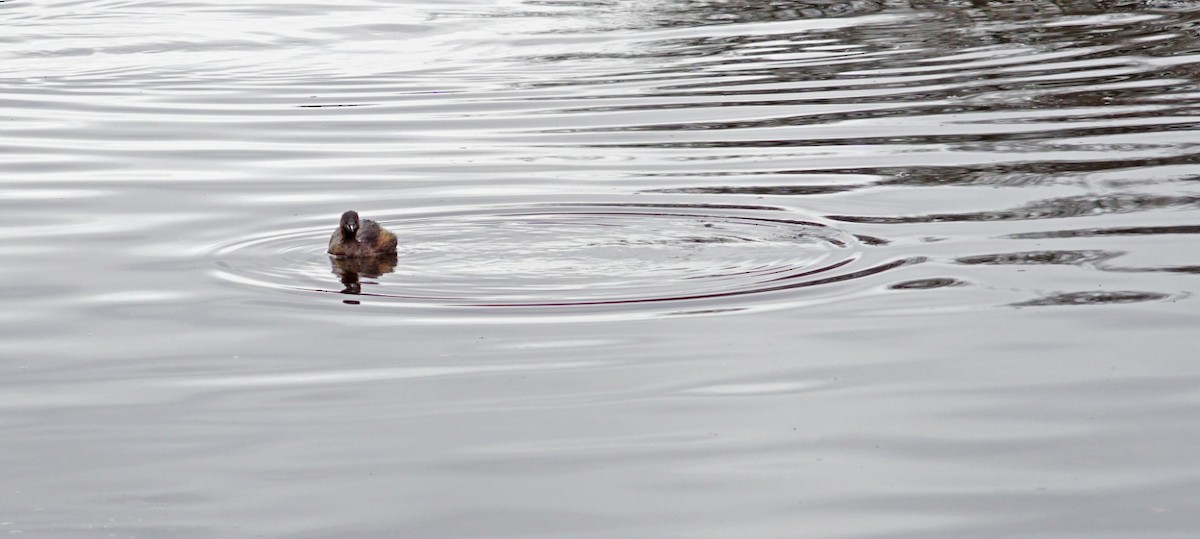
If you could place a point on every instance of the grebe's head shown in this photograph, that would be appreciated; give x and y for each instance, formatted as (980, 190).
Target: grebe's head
(349, 223)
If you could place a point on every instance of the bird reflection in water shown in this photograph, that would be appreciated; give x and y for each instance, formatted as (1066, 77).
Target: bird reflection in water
(352, 270)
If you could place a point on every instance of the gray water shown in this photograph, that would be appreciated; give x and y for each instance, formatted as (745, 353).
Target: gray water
(850, 269)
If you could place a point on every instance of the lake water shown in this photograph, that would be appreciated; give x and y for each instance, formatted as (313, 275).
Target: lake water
(668, 268)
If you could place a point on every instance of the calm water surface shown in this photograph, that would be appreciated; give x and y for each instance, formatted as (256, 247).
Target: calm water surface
(669, 268)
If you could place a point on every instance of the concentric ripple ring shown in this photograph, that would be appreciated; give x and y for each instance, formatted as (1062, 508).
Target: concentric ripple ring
(565, 255)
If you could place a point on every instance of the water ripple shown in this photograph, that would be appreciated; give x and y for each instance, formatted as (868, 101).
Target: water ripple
(580, 255)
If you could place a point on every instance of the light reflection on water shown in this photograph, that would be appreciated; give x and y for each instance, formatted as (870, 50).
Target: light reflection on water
(829, 268)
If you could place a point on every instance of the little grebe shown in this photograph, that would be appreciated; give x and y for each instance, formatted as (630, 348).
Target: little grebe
(354, 238)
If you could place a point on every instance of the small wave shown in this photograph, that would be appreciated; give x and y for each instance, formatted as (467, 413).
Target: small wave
(566, 256)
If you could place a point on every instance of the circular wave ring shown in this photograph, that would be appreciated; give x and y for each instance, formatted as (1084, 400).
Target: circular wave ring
(562, 256)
